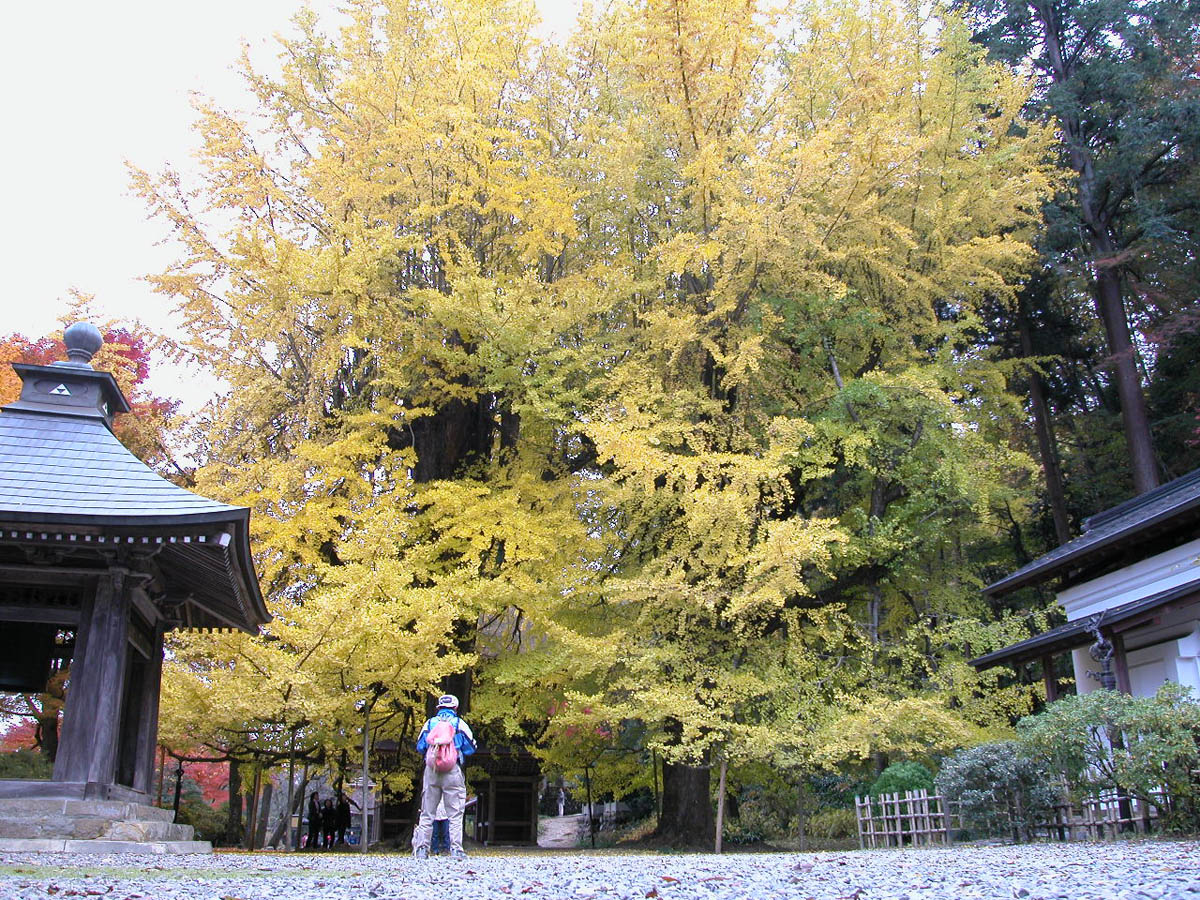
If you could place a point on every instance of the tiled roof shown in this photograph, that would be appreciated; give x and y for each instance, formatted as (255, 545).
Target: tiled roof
(1177, 501)
(70, 490)
(67, 469)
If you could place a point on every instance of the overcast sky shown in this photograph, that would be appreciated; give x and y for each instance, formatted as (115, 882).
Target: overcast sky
(88, 86)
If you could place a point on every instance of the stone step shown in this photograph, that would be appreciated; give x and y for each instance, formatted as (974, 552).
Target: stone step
(148, 831)
(46, 818)
(106, 809)
(59, 845)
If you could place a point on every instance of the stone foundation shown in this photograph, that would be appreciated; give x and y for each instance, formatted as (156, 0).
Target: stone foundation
(64, 824)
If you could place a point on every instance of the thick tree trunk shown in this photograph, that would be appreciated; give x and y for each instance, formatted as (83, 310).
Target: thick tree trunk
(687, 813)
(1107, 273)
(47, 733)
(264, 815)
(1125, 371)
(252, 813)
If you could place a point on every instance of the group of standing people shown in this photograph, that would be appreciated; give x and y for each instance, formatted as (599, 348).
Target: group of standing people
(328, 821)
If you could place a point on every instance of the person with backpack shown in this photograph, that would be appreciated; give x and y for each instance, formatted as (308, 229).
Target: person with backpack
(445, 740)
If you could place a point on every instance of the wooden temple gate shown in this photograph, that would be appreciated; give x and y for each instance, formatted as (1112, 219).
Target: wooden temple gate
(99, 558)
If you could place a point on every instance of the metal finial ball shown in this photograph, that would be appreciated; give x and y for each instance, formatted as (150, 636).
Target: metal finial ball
(83, 339)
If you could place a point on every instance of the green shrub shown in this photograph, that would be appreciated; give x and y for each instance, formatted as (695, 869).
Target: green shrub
(738, 831)
(763, 809)
(25, 763)
(832, 824)
(208, 822)
(902, 776)
(835, 790)
(1106, 740)
(1002, 788)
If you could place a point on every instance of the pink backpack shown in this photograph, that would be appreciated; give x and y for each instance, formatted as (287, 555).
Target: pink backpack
(441, 755)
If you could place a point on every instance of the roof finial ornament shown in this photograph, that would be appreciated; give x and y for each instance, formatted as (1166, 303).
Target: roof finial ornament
(83, 339)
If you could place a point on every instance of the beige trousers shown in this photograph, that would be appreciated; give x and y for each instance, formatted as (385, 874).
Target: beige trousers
(449, 788)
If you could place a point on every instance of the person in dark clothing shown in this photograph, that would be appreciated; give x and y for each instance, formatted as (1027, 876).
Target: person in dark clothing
(328, 821)
(314, 821)
(343, 816)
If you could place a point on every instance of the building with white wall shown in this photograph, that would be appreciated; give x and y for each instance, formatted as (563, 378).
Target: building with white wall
(1130, 588)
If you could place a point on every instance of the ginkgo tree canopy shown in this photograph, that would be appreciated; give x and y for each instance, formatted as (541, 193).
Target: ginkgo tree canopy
(639, 374)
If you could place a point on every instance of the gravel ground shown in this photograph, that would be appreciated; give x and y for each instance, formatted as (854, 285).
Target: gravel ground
(1124, 871)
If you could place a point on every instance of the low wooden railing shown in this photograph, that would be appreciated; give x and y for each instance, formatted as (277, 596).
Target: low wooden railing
(918, 819)
(1100, 818)
(914, 818)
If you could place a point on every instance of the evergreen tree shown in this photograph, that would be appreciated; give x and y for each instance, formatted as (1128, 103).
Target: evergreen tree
(1118, 79)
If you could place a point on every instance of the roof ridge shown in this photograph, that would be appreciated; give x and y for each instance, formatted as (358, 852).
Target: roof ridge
(1108, 515)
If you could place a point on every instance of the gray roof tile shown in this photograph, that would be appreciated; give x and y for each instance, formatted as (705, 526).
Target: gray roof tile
(64, 466)
(1177, 501)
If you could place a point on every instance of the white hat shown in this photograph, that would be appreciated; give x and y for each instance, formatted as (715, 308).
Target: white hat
(447, 701)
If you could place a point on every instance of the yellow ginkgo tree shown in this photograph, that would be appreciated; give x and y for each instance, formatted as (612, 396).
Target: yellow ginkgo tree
(640, 376)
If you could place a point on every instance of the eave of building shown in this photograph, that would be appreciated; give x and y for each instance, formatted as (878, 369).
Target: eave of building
(1079, 633)
(1109, 534)
(201, 568)
(67, 483)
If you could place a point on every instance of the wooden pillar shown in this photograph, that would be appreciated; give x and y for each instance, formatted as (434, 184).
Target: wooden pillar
(147, 738)
(87, 750)
(1120, 663)
(1049, 678)
(491, 832)
(533, 816)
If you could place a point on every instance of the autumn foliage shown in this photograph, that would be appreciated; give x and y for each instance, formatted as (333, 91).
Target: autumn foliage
(647, 377)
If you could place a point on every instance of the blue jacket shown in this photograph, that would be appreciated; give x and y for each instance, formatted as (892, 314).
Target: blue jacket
(464, 739)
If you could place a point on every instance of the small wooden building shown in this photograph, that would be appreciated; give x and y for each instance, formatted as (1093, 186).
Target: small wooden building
(505, 783)
(1130, 587)
(99, 558)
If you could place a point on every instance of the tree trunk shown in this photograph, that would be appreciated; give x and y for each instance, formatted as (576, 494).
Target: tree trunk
(721, 802)
(252, 813)
(281, 828)
(1104, 249)
(264, 815)
(1125, 371)
(1047, 446)
(879, 762)
(47, 732)
(687, 814)
(233, 821)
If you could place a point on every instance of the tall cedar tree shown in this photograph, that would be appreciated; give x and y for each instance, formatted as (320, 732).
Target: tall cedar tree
(1119, 79)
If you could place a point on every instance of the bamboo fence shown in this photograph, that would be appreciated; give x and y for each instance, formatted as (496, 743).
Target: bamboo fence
(917, 819)
(913, 819)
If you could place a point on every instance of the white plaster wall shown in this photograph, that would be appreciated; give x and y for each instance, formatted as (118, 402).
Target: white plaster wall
(1150, 667)
(1174, 568)
(1187, 660)
(1084, 684)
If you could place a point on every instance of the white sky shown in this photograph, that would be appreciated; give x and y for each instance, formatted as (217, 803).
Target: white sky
(89, 85)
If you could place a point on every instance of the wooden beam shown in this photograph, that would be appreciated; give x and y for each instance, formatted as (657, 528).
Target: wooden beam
(88, 747)
(51, 615)
(23, 573)
(146, 608)
(147, 739)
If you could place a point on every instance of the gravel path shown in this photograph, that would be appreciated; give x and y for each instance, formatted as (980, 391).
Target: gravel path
(1123, 871)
